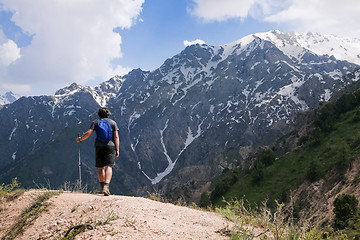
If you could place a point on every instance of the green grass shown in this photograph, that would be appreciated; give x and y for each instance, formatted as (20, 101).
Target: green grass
(10, 191)
(270, 224)
(91, 224)
(29, 215)
(335, 150)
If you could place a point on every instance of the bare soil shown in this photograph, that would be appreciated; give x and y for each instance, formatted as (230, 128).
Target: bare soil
(113, 217)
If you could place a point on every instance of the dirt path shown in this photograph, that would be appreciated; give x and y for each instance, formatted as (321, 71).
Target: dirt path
(114, 217)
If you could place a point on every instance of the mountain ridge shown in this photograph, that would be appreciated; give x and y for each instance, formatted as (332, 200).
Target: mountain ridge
(341, 48)
(176, 121)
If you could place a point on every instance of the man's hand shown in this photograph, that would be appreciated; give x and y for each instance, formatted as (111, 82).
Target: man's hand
(85, 136)
(117, 153)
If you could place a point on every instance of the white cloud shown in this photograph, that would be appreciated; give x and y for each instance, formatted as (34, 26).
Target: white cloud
(9, 53)
(215, 10)
(74, 41)
(119, 70)
(324, 16)
(197, 41)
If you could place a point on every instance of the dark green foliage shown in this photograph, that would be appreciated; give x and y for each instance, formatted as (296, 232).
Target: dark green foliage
(73, 231)
(345, 209)
(333, 144)
(204, 200)
(330, 112)
(356, 117)
(303, 140)
(223, 185)
(314, 172)
(257, 173)
(355, 144)
(318, 136)
(343, 160)
(329, 147)
(326, 120)
(266, 157)
(346, 103)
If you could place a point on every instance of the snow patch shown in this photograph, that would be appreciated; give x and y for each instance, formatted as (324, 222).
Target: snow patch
(13, 156)
(326, 96)
(171, 164)
(133, 146)
(14, 129)
(255, 64)
(132, 118)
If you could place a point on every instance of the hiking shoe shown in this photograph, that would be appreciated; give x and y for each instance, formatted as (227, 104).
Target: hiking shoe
(101, 188)
(106, 189)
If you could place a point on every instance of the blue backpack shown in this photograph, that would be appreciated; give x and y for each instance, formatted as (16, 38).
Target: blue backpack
(104, 131)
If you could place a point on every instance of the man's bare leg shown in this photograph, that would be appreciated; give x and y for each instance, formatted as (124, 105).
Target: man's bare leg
(108, 174)
(101, 174)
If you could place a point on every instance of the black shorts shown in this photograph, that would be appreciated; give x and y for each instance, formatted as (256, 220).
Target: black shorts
(105, 156)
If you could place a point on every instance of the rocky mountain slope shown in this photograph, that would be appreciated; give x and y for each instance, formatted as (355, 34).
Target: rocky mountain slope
(176, 121)
(313, 164)
(32, 121)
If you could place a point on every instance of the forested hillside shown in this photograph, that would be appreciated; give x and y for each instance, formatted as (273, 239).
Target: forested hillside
(306, 169)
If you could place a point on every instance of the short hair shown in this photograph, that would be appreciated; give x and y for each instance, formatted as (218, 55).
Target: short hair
(104, 112)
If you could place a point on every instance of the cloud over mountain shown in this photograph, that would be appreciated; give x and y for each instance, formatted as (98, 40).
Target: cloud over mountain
(197, 41)
(72, 41)
(330, 17)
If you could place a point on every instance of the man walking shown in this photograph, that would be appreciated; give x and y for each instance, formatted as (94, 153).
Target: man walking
(106, 146)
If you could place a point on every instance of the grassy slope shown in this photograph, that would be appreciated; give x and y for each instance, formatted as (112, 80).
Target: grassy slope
(336, 149)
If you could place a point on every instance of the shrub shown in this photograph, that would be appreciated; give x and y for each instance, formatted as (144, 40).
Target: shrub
(303, 140)
(223, 185)
(345, 103)
(10, 191)
(257, 173)
(266, 157)
(314, 172)
(345, 209)
(356, 117)
(204, 200)
(343, 159)
(327, 117)
(318, 136)
(4, 189)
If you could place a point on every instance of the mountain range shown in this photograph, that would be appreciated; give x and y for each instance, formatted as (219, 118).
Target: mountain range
(177, 121)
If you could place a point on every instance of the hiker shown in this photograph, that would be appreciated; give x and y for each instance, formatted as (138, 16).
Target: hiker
(106, 146)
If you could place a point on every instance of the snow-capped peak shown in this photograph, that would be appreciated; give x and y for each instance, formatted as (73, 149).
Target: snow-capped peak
(101, 93)
(8, 97)
(294, 45)
(341, 48)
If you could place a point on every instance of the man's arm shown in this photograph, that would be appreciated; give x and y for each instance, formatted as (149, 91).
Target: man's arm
(85, 136)
(116, 138)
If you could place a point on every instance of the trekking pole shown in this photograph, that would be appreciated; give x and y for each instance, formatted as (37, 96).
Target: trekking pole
(79, 164)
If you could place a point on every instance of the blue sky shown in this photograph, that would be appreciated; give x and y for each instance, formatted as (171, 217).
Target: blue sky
(47, 45)
(168, 23)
